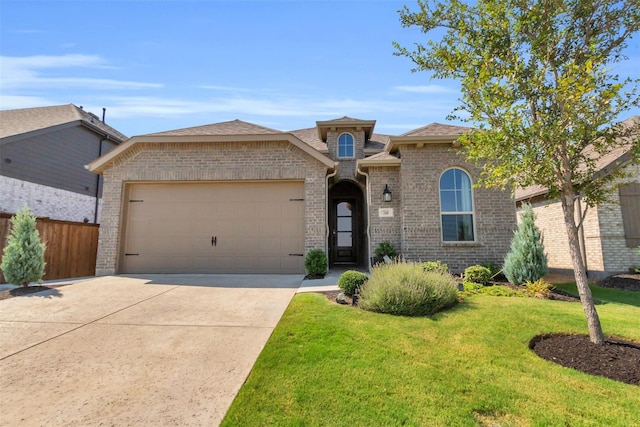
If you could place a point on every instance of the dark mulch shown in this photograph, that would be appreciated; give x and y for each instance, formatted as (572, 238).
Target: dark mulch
(17, 292)
(615, 359)
(624, 282)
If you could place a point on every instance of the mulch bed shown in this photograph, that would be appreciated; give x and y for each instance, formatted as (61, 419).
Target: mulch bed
(616, 359)
(17, 292)
(623, 282)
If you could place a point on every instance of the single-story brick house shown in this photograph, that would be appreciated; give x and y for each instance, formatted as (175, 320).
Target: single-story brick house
(610, 234)
(235, 197)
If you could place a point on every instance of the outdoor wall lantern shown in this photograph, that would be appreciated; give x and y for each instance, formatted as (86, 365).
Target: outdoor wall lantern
(386, 194)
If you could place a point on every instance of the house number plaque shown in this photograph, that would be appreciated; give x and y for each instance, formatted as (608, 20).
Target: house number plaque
(385, 212)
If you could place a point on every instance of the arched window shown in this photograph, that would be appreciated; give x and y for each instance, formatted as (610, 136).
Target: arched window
(456, 206)
(345, 146)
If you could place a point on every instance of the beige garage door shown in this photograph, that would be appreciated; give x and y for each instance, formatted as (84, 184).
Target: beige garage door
(251, 227)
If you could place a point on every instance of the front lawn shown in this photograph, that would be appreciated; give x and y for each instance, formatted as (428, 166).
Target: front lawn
(333, 365)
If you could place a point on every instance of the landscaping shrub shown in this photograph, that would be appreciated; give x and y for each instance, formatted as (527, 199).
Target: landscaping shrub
(351, 280)
(435, 267)
(316, 262)
(386, 248)
(404, 288)
(526, 260)
(477, 274)
(23, 257)
(538, 289)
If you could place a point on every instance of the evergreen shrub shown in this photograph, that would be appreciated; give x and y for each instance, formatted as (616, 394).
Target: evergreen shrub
(316, 262)
(526, 260)
(23, 257)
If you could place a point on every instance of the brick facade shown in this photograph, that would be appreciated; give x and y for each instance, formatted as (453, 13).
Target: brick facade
(230, 161)
(494, 211)
(45, 201)
(604, 239)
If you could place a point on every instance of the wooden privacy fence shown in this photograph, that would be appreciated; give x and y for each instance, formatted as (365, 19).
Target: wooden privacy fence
(71, 246)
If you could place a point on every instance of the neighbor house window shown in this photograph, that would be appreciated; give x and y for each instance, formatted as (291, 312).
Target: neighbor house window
(630, 206)
(345, 146)
(456, 206)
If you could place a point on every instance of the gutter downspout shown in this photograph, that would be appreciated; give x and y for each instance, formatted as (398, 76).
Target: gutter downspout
(366, 175)
(95, 210)
(326, 197)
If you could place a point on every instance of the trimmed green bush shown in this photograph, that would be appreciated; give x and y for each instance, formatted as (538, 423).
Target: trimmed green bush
(316, 262)
(23, 257)
(435, 267)
(404, 288)
(351, 280)
(477, 274)
(526, 260)
(386, 248)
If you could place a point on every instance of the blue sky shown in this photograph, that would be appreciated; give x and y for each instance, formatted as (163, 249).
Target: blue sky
(161, 65)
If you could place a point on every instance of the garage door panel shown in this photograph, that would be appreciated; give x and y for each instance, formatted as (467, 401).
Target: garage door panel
(256, 226)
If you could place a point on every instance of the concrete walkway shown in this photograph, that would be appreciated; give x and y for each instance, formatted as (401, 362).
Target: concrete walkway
(137, 350)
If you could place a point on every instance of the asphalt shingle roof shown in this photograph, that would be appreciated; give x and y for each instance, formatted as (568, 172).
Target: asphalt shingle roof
(25, 120)
(437, 129)
(233, 127)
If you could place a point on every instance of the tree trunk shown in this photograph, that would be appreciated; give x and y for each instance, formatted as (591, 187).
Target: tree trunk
(593, 320)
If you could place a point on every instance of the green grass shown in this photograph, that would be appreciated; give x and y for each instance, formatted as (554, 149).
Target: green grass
(604, 295)
(331, 365)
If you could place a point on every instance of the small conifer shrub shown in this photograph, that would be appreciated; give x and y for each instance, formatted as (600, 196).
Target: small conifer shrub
(316, 263)
(526, 260)
(23, 257)
(435, 267)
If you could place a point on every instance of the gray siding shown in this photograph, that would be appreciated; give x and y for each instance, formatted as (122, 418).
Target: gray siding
(55, 159)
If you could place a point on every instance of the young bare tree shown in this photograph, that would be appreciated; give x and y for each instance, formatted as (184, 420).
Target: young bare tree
(537, 85)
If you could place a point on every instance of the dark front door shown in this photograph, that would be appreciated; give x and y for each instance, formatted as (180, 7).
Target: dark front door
(344, 232)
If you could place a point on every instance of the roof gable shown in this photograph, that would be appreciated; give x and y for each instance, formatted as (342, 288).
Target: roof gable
(25, 120)
(325, 125)
(233, 127)
(437, 129)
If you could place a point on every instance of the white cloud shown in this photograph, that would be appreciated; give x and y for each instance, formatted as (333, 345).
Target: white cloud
(11, 102)
(29, 72)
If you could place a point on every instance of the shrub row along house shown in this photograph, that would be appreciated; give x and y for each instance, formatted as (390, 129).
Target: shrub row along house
(235, 197)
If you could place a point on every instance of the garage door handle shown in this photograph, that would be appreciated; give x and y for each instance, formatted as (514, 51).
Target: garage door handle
(214, 240)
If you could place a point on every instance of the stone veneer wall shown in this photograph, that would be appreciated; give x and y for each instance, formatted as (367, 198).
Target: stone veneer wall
(605, 244)
(495, 218)
(232, 161)
(45, 201)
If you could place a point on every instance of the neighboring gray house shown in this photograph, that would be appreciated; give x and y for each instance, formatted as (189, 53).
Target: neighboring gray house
(610, 235)
(235, 197)
(42, 156)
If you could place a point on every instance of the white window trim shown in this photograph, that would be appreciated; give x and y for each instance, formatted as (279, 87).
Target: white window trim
(353, 140)
(472, 212)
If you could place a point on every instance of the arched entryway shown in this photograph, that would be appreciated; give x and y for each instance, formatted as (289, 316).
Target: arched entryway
(347, 240)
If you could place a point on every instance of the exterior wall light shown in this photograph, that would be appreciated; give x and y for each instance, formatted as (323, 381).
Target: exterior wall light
(386, 194)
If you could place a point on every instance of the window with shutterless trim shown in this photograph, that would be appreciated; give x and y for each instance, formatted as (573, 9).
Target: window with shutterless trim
(346, 146)
(456, 206)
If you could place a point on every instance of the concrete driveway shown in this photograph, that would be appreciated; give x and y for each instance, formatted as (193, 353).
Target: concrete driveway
(144, 350)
